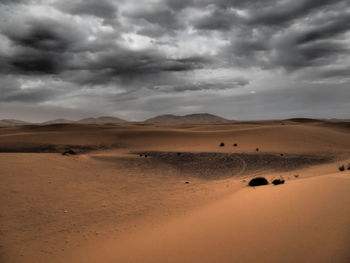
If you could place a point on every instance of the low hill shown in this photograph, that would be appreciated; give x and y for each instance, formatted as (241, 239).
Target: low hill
(100, 120)
(199, 118)
(11, 122)
(57, 121)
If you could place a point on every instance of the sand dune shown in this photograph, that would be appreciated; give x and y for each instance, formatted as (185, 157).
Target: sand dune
(268, 137)
(302, 221)
(108, 202)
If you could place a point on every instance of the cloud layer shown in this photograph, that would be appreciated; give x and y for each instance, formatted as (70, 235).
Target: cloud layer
(136, 59)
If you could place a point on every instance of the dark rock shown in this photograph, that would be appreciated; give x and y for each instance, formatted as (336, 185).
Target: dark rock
(69, 152)
(257, 181)
(222, 144)
(278, 181)
(257, 149)
(235, 145)
(187, 182)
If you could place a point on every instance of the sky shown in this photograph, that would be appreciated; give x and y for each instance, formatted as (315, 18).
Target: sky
(135, 59)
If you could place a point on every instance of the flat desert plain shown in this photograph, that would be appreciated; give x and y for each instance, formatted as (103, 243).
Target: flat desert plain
(137, 192)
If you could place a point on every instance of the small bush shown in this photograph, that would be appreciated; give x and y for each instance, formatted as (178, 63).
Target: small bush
(235, 145)
(278, 181)
(349, 166)
(341, 168)
(257, 149)
(222, 144)
(257, 181)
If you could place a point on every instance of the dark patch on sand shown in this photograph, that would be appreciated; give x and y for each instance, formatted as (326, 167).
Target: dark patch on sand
(212, 165)
(47, 148)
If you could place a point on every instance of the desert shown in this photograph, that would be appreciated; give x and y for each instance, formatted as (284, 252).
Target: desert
(154, 192)
(174, 131)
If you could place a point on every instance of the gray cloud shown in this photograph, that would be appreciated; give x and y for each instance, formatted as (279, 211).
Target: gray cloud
(103, 8)
(11, 91)
(201, 86)
(102, 52)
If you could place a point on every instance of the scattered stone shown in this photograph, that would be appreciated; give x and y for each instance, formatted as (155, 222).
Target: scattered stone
(69, 152)
(278, 181)
(341, 168)
(257, 181)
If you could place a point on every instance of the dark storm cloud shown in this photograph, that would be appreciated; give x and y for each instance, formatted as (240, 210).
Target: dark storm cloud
(33, 62)
(46, 35)
(39, 47)
(156, 20)
(329, 30)
(285, 11)
(164, 17)
(201, 86)
(130, 63)
(103, 8)
(6, 2)
(317, 41)
(270, 13)
(123, 66)
(52, 47)
(338, 73)
(179, 4)
(127, 50)
(218, 19)
(11, 91)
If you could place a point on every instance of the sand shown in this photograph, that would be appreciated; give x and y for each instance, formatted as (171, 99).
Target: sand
(108, 204)
(288, 223)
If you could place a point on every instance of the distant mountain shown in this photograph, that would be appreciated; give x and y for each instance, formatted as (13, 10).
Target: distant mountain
(199, 118)
(101, 120)
(10, 122)
(57, 121)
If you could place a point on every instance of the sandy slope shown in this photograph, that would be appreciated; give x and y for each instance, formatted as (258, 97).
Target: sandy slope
(303, 221)
(55, 208)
